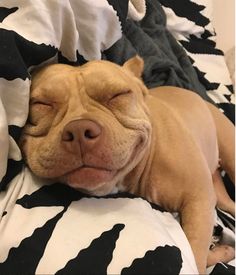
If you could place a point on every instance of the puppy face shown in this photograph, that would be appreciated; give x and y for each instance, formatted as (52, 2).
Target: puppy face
(88, 126)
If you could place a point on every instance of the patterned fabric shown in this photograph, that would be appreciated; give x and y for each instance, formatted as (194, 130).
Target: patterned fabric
(49, 228)
(192, 27)
(61, 231)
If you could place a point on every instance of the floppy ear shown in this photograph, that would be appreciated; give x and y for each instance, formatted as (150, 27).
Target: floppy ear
(135, 65)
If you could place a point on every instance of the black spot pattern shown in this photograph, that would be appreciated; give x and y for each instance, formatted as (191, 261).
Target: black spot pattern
(25, 258)
(100, 251)
(163, 260)
(187, 9)
(4, 12)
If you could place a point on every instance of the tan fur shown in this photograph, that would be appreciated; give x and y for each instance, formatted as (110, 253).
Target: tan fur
(98, 129)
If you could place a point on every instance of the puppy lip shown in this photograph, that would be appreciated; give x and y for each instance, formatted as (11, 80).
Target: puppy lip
(95, 167)
(88, 177)
(88, 167)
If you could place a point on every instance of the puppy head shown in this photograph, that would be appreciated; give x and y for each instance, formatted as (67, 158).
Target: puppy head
(88, 126)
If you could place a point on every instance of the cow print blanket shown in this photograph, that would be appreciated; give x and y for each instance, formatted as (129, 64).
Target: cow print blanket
(49, 228)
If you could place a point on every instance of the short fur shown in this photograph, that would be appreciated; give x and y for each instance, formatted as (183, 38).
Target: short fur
(98, 129)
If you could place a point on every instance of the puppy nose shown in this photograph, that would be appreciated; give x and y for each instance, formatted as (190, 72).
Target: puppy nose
(81, 133)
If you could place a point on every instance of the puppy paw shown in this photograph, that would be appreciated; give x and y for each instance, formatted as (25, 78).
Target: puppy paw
(220, 253)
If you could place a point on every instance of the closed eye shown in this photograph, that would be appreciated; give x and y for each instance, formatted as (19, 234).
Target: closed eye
(42, 104)
(38, 110)
(123, 93)
(35, 100)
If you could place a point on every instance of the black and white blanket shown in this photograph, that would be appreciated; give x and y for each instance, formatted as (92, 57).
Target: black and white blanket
(50, 228)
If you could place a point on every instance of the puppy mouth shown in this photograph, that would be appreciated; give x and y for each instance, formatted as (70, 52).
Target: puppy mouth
(88, 177)
(91, 177)
(92, 174)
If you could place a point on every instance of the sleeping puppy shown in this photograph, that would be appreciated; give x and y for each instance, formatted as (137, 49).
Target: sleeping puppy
(98, 129)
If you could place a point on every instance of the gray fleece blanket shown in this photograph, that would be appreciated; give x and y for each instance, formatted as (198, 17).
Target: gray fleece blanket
(166, 62)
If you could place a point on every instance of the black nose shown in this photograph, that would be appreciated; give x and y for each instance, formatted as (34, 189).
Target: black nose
(83, 132)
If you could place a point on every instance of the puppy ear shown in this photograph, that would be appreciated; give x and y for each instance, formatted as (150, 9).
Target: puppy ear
(135, 65)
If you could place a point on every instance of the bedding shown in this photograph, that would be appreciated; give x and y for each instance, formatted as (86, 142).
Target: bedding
(48, 228)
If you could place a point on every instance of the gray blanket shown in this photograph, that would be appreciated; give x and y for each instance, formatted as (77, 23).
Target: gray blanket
(166, 62)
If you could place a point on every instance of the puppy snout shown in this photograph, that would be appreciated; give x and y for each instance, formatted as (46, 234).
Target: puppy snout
(82, 134)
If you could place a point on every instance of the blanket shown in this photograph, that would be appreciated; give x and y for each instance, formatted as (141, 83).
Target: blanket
(35, 33)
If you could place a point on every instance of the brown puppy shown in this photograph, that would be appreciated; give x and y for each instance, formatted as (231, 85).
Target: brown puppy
(98, 129)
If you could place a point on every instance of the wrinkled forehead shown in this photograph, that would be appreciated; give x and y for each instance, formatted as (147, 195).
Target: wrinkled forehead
(52, 76)
(95, 77)
(100, 76)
